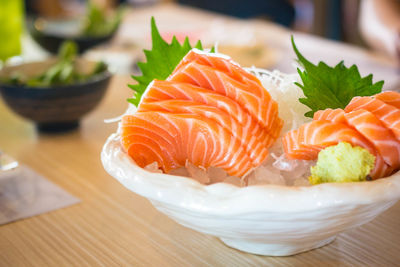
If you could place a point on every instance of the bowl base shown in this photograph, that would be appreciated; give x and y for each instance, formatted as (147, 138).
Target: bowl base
(57, 127)
(274, 249)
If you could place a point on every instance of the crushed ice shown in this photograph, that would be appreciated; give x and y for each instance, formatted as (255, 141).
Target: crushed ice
(276, 170)
(295, 173)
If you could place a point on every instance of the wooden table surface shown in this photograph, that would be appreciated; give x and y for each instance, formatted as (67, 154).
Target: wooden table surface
(114, 227)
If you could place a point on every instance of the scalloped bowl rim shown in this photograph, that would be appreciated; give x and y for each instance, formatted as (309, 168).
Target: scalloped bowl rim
(227, 199)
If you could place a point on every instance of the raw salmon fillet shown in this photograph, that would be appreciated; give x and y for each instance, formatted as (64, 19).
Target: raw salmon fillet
(333, 115)
(306, 142)
(209, 112)
(320, 134)
(255, 150)
(369, 122)
(376, 132)
(252, 97)
(370, 127)
(167, 90)
(184, 137)
(225, 65)
(389, 115)
(389, 97)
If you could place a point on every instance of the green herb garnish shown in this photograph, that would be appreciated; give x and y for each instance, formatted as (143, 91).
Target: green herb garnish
(97, 23)
(161, 60)
(63, 72)
(326, 87)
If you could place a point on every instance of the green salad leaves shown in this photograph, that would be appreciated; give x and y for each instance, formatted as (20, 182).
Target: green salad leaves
(97, 23)
(63, 72)
(161, 61)
(326, 87)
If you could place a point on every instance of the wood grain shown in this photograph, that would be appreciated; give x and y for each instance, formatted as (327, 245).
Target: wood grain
(114, 227)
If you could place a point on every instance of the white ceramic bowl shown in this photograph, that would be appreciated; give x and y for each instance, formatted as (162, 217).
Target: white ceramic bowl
(266, 220)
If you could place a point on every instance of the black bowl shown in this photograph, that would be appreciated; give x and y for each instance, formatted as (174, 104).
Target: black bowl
(57, 108)
(50, 34)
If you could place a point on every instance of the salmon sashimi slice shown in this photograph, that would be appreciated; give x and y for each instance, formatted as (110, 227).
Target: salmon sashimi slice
(333, 115)
(306, 142)
(256, 150)
(166, 90)
(376, 132)
(209, 112)
(221, 63)
(202, 142)
(340, 116)
(319, 134)
(294, 150)
(386, 113)
(255, 99)
(138, 140)
(199, 74)
(389, 97)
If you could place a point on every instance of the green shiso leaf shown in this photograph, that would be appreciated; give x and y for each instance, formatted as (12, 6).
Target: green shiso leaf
(161, 60)
(331, 87)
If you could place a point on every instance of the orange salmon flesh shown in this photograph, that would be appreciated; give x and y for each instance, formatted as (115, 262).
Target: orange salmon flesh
(209, 112)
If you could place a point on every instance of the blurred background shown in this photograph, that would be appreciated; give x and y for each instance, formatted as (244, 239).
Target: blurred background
(371, 24)
(334, 19)
(113, 34)
(116, 31)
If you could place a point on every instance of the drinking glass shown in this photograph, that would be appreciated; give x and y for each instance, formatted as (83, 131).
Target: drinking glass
(11, 25)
